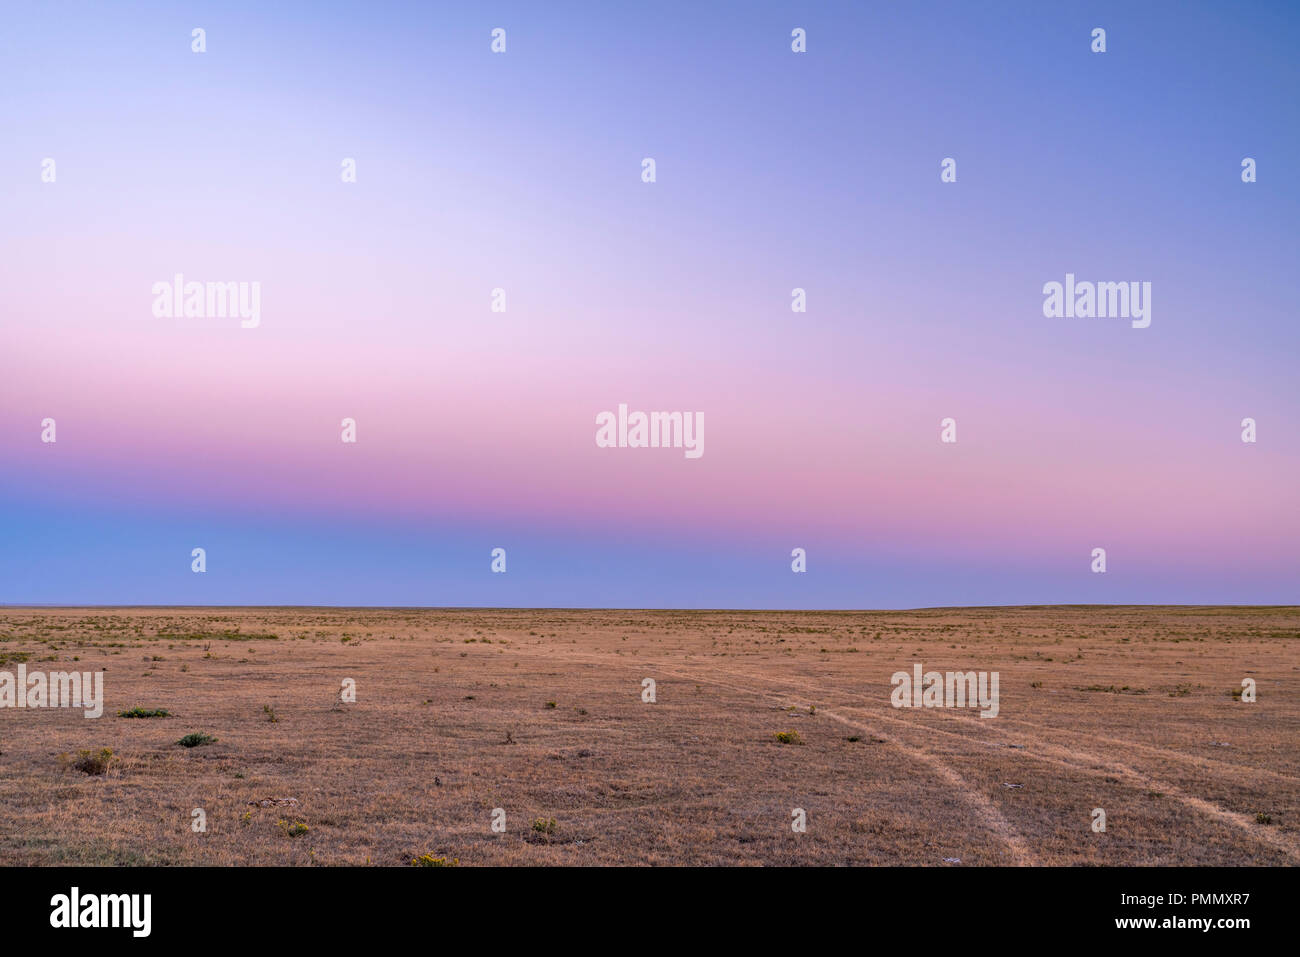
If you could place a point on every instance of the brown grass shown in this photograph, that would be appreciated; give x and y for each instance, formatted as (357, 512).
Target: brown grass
(459, 712)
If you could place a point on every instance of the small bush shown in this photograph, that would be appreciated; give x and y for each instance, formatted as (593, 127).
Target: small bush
(294, 829)
(195, 738)
(545, 825)
(789, 737)
(144, 713)
(271, 716)
(1262, 818)
(94, 762)
(428, 860)
(550, 704)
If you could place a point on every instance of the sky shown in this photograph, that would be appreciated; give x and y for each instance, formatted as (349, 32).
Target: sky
(523, 171)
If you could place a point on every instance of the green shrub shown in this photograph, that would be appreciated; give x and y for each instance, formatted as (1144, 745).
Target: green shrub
(195, 738)
(428, 860)
(94, 762)
(138, 712)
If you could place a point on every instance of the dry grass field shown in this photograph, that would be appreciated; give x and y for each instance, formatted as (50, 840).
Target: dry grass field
(540, 713)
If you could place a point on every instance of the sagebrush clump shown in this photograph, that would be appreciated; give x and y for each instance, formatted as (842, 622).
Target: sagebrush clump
(428, 860)
(195, 738)
(139, 712)
(94, 762)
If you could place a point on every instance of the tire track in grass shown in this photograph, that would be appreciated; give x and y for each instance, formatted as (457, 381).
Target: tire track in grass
(985, 810)
(1085, 762)
(1044, 752)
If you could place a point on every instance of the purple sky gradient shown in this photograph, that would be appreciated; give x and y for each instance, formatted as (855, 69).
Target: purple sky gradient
(522, 171)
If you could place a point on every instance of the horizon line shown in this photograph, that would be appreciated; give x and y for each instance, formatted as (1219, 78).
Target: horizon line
(647, 608)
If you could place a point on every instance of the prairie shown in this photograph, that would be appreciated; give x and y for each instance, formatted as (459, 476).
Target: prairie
(1136, 711)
